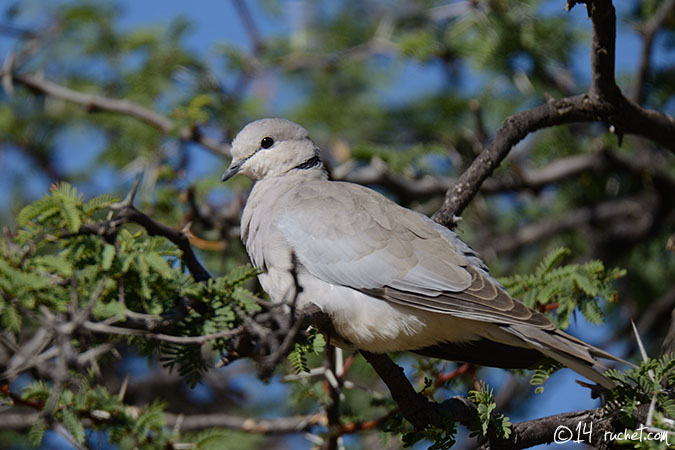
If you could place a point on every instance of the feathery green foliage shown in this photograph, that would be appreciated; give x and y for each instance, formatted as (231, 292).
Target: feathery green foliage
(51, 262)
(652, 380)
(542, 373)
(79, 401)
(313, 342)
(488, 418)
(565, 288)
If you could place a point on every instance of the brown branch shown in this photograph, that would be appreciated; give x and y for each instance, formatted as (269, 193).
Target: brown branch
(415, 407)
(93, 103)
(535, 179)
(354, 427)
(603, 16)
(648, 31)
(544, 430)
(421, 412)
(604, 103)
(443, 378)
(377, 173)
(179, 238)
(333, 406)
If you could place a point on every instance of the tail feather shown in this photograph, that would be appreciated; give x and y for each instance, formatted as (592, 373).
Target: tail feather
(568, 350)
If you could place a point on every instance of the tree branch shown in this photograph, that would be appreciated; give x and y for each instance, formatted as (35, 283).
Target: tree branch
(294, 424)
(603, 16)
(93, 103)
(102, 328)
(604, 102)
(195, 422)
(415, 407)
(543, 430)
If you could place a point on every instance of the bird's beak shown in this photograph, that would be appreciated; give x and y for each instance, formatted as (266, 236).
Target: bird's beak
(231, 171)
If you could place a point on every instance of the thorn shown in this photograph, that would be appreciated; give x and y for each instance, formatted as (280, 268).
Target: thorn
(339, 362)
(330, 377)
(123, 388)
(129, 199)
(650, 413)
(178, 424)
(7, 69)
(642, 350)
(639, 341)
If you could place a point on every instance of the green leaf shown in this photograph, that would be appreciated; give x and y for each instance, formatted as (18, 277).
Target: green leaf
(36, 391)
(55, 263)
(158, 264)
(212, 440)
(108, 256)
(43, 208)
(11, 319)
(37, 430)
(70, 214)
(551, 260)
(73, 424)
(100, 202)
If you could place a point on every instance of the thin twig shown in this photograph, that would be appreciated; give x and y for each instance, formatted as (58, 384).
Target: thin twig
(98, 327)
(648, 31)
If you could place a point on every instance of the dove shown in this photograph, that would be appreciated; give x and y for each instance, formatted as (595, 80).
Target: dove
(390, 278)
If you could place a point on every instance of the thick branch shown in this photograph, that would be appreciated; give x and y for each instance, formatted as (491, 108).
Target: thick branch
(603, 103)
(98, 103)
(414, 406)
(626, 116)
(543, 431)
(603, 16)
(421, 412)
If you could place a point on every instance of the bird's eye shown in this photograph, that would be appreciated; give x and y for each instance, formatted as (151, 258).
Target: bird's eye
(267, 142)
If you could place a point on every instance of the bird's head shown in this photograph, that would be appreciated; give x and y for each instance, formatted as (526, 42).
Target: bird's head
(271, 147)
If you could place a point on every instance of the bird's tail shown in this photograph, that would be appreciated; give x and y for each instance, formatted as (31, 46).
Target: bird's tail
(568, 350)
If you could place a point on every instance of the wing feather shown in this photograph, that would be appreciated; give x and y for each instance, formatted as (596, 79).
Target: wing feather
(351, 236)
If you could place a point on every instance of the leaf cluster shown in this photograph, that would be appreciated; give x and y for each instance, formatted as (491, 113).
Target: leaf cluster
(82, 405)
(562, 289)
(311, 343)
(441, 438)
(652, 380)
(488, 420)
(52, 263)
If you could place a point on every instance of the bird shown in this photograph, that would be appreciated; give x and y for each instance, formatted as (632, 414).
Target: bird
(390, 278)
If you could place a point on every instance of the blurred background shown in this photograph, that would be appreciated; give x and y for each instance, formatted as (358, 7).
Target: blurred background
(400, 96)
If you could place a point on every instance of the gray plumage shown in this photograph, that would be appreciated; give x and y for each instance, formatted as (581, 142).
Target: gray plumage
(391, 279)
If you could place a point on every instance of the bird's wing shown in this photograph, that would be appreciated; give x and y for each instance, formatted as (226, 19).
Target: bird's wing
(351, 236)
